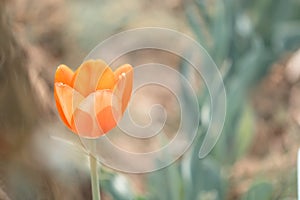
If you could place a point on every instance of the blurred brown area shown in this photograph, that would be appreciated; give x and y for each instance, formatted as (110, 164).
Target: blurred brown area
(273, 152)
(26, 102)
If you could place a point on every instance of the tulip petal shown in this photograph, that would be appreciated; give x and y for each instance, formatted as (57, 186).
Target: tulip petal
(107, 80)
(106, 119)
(67, 99)
(83, 124)
(95, 116)
(87, 76)
(124, 81)
(108, 110)
(60, 110)
(64, 75)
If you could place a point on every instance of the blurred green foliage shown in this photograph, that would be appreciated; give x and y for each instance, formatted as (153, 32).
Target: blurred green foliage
(244, 38)
(116, 185)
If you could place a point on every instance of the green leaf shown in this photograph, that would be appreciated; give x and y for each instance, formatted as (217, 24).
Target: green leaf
(286, 36)
(245, 131)
(260, 190)
(220, 29)
(165, 184)
(195, 22)
(202, 178)
(117, 186)
(140, 198)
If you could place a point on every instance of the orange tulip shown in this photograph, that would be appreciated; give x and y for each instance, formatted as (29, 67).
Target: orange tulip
(91, 100)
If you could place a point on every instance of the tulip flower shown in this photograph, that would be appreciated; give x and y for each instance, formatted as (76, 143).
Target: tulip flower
(91, 100)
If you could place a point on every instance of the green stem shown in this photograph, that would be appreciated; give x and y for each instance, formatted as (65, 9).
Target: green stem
(94, 178)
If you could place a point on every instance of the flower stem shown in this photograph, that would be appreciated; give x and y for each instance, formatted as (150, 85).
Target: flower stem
(94, 178)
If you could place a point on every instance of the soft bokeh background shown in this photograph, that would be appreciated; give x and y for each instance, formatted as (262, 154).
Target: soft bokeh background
(254, 43)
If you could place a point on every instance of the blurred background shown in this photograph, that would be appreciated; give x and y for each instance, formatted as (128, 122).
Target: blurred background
(255, 45)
